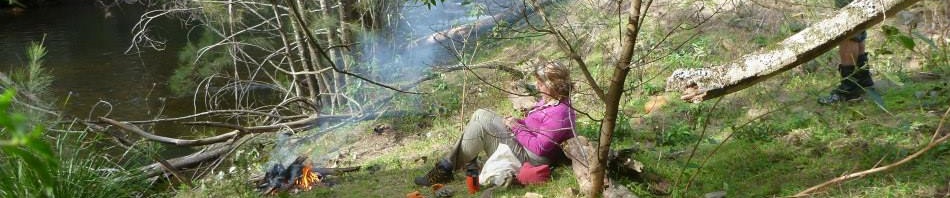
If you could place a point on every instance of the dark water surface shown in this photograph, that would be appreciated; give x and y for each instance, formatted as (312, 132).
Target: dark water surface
(86, 53)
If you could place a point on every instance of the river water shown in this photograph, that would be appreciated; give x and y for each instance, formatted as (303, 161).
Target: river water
(95, 75)
(86, 54)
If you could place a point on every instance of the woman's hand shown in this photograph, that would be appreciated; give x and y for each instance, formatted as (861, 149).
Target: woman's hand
(511, 122)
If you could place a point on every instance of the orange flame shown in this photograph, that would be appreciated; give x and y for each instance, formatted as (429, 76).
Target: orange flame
(307, 178)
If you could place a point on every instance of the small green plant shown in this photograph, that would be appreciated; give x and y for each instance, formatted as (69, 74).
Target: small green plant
(895, 35)
(32, 168)
(677, 134)
(756, 132)
(34, 78)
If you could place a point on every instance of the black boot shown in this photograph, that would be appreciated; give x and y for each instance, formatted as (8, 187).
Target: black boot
(855, 80)
(441, 173)
(863, 74)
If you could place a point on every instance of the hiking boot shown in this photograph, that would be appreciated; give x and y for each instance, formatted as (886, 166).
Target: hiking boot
(441, 173)
(863, 74)
(855, 81)
(472, 168)
(837, 98)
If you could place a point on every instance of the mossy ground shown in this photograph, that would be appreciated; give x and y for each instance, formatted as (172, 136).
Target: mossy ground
(781, 142)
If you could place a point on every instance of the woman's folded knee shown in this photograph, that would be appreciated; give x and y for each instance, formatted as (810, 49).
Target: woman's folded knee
(482, 114)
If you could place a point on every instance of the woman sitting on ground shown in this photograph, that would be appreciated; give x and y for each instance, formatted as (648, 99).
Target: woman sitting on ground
(535, 139)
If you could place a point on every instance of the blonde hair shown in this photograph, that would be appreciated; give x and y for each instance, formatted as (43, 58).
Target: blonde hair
(556, 77)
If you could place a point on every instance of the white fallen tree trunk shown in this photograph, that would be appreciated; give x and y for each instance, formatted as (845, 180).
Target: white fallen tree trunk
(697, 85)
(471, 32)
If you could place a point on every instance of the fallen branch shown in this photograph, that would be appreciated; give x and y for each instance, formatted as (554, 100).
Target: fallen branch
(302, 124)
(187, 161)
(168, 140)
(212, 112)
(931, 145)
(518, 74)
(702, 84)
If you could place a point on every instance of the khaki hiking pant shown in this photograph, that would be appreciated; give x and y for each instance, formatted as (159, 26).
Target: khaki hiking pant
(483, 133)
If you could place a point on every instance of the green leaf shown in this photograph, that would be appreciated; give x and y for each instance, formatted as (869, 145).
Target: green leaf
(906, 41)
(893, 34)
(890, 30)
(40, 168)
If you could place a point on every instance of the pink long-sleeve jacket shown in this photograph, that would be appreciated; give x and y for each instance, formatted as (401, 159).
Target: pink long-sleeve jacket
(544, 128)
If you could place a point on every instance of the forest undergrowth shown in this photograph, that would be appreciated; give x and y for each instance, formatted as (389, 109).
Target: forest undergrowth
(772, 139)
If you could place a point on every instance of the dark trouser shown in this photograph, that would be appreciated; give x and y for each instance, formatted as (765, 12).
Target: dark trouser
(855, 76)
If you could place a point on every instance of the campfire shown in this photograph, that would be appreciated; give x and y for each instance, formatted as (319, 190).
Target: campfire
(307, 178)
(298, 176)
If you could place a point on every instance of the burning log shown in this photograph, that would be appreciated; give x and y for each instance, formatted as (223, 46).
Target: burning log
(300, 175)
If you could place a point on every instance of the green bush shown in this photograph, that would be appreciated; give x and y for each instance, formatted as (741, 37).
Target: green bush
(678, 134)
(32, 166)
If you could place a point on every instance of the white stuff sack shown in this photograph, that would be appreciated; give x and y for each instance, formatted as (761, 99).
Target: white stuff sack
(500, 169)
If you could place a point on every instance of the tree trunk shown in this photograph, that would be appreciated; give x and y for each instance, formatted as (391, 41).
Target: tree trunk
(299, 84)
(332, 52)
(313, 89)
(702, 84)
(344, 40)
(579, 151)
(612, 99)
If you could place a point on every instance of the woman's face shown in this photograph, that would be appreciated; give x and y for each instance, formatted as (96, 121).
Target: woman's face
(542, 87)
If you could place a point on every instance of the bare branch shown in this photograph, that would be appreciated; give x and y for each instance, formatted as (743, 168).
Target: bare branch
(566, 46)
(168, 140)
(330, 61)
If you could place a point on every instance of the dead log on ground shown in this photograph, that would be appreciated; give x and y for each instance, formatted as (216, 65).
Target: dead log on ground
(187, 161)
(302, 124)
(471, 32)
(701, 84)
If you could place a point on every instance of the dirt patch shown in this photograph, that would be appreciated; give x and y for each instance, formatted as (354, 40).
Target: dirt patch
(373, 143)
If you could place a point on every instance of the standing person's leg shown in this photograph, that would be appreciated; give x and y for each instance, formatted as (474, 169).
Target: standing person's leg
(853, 69)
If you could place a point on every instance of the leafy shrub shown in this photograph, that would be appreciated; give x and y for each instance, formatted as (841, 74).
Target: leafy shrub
(678, 134)
(32, 168)
(755, 132)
